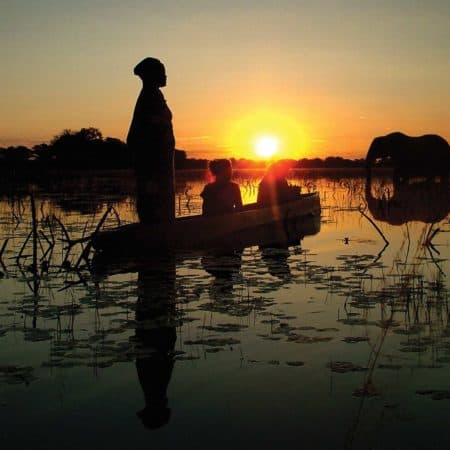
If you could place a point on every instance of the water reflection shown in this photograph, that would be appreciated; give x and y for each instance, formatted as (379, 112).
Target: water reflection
(276, 260)
(225, 266)
(155, 337)
(156, 315)
(273, 241)
(399, 203)
(266, 317)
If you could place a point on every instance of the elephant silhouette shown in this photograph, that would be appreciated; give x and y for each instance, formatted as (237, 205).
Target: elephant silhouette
(427, 155)
(424, 201)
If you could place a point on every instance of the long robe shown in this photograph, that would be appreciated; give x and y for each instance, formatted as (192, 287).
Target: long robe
(152, 142)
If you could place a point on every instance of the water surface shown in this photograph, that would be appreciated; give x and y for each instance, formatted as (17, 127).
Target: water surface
(341, 340)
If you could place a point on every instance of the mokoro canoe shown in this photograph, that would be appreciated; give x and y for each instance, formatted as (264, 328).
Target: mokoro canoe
(197, 232)
(272, 235)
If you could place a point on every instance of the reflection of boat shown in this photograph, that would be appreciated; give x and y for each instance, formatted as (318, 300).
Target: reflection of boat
(201, 232)
(424, 201)
(276, 260)
(278, 235)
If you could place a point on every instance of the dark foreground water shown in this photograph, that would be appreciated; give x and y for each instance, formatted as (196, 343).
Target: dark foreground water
(341, 340)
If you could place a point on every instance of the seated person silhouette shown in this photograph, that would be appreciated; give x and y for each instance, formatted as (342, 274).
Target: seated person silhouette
(274, 188)
(221, 196)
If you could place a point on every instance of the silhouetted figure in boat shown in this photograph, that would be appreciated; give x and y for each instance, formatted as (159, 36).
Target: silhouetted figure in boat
(156, 337)
(274, 187)
(152, 142)
(221, 196)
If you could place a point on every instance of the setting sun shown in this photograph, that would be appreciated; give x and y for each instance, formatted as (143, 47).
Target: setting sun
(266, 146)
(266, 133)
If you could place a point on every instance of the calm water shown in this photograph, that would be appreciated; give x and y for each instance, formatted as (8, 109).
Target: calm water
(339, 341)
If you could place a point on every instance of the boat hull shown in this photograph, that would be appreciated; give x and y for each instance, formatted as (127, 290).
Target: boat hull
(196, 232)
(274, 235)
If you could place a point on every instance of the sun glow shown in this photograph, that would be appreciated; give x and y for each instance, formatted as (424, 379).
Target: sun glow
(266, 146)
(266, 133)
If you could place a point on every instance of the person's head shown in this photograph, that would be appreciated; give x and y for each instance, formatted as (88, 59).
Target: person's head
(151, 71)
(221, 169)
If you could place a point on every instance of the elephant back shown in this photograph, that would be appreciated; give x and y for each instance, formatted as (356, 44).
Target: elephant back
(428, 154)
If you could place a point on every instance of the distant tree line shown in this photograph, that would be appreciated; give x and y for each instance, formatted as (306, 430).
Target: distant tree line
(83, 149)
(88, 149)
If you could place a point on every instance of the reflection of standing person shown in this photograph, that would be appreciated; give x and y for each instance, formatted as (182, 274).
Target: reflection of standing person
(152, 142)
(156, 337)
(222, 196)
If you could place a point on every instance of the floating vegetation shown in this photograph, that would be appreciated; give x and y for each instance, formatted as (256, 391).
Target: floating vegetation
(435, 394)
(303, 339)
(427, 366)
(391, 405)
(213, 342)
(357, 321)
(224, 327)
(345, 366)
(390, 366)
(187, 358)
(214, 350)
(276, 362)
(389, 323)
(237, 308)
(414, 329)
(413, 348)
(367, 390)
(271, 338)
(283, 328)
(443, 359)
(355, 339)
(16, 374)
(37, 335)
(328, 329)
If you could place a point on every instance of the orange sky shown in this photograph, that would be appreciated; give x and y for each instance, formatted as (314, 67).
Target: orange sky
(323, 78)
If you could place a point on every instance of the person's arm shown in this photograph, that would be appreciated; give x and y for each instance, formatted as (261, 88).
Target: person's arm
(204, 196)
(237, 198)
(284, 190)
(262, 198)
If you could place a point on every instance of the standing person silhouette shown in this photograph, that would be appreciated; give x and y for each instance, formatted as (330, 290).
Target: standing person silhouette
(152, 143)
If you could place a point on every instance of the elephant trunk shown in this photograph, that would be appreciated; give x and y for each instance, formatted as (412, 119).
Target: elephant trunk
(368, 171)
(370, 158)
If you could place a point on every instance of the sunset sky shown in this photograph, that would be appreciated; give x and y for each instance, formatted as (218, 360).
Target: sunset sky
(322, 78)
